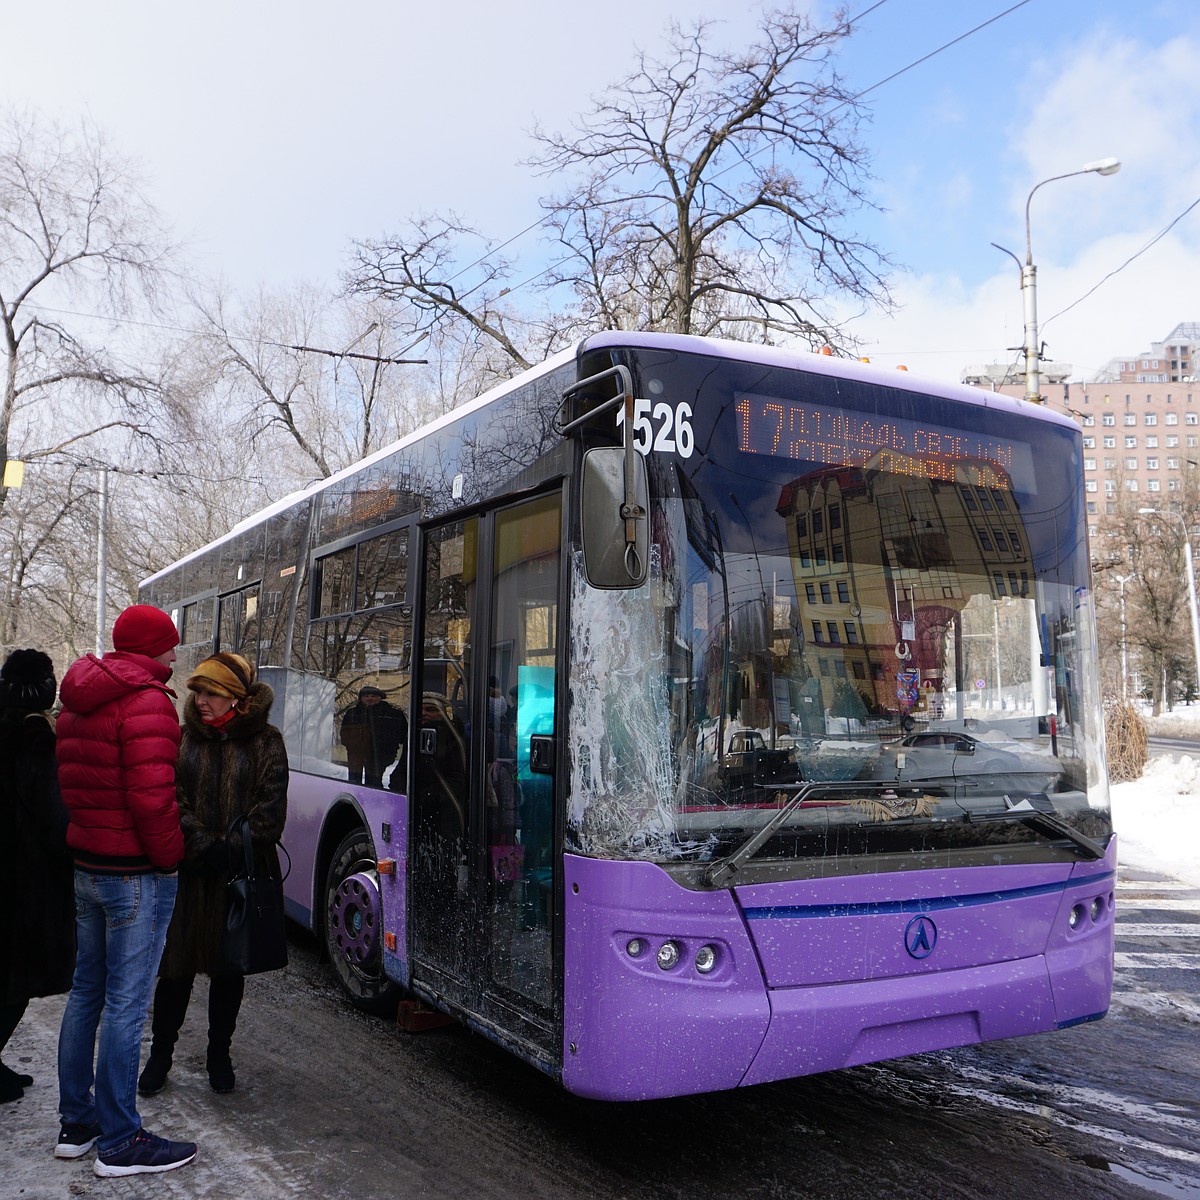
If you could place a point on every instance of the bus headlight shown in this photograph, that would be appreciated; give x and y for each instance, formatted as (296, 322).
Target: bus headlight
(668, 955)
(706, 959)
(635, 947)
(1078, 912)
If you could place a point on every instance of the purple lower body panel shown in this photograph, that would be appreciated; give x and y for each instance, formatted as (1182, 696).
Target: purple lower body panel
(670, 991)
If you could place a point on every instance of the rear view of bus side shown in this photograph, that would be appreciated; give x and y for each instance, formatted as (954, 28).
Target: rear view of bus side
(750, 721)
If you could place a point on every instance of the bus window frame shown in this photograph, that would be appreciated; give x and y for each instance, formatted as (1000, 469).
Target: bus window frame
(197, 598)
(411, 522)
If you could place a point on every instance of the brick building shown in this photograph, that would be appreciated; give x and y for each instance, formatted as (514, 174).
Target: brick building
(1140, 419)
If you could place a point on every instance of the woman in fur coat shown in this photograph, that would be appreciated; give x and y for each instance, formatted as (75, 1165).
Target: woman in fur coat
(37, 889)
(231, 761)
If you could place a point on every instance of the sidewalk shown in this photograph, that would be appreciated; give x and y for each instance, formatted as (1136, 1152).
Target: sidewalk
(233, 1160)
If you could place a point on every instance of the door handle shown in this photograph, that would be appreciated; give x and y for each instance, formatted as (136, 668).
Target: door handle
(541, 754)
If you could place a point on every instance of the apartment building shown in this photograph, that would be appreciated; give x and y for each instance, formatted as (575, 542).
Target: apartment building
(1140, 420)
(1176, 359)
(1136, 438)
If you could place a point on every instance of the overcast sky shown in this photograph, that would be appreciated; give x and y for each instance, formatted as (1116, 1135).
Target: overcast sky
(272, 133)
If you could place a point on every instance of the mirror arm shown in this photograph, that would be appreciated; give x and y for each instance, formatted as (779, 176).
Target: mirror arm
(631, 511)
(624, 396)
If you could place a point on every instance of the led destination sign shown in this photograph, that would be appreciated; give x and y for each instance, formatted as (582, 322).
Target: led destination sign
(813, 433)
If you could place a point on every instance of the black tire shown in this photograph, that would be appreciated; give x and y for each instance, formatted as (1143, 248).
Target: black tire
(353, 931)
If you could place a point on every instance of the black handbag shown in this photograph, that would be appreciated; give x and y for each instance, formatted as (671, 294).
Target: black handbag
(254, 939)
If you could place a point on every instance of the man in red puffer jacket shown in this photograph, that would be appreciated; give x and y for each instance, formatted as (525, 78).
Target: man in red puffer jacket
(118, 739)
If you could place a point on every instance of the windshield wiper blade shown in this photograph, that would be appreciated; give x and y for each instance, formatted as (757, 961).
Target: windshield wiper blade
(723, 870)
(1047, 823)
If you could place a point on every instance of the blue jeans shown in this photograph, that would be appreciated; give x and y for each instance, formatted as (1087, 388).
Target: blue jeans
(121, 924)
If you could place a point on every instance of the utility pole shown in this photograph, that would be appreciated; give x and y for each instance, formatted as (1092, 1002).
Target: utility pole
(1033, 348)
(102, 562)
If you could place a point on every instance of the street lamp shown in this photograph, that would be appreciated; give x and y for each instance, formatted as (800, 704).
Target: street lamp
(1033, 383)
(1122, 580)
(1191, 579)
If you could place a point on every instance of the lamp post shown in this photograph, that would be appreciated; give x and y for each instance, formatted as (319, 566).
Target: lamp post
(1033, 383)
(1122, 580)
(1191, 578)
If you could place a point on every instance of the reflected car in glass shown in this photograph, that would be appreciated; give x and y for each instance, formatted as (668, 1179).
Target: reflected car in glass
(749, 761)
(949, 758)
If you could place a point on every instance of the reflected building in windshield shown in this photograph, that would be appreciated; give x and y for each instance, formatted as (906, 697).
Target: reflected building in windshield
(889, 570)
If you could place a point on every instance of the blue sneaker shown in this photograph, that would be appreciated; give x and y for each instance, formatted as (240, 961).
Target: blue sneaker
(74, 1141)
(145, 1155)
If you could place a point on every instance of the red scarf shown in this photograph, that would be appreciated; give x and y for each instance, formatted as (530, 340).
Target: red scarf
(221, 722)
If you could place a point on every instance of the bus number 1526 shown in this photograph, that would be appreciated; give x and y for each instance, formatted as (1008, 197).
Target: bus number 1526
(659, 426)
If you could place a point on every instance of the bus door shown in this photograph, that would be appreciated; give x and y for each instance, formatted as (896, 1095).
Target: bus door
(520, 761)
(482, 864)
(442, 901)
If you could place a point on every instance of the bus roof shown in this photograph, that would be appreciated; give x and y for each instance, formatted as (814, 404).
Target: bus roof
(772, 356)
(826, 364)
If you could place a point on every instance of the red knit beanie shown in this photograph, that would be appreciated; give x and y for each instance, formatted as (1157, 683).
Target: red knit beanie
(144, 629)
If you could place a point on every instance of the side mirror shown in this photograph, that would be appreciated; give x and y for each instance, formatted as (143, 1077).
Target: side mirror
(965, 747)
(609, 561)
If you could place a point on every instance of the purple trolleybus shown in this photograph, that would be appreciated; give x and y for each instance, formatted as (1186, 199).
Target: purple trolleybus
(688, 714)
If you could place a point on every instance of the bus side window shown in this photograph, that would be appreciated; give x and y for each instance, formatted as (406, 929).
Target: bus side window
(360, 643)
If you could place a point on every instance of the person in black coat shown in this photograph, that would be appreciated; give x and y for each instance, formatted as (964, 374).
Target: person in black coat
(37, 889)
(373, 732)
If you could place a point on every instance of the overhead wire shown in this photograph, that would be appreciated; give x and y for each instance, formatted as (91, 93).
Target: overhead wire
(1132, 258)
(542, 220)
(833, 108)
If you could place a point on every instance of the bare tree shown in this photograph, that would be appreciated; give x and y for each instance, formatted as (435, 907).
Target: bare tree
(717, 188)
(43, 527)
(259, 373)
(1148, 551)
(715, 195)
(418, 272)
(311, 382)
(80, 249)
(75, 234)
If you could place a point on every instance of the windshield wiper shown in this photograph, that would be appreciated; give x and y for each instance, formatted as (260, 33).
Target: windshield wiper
(723, 870)
(1047, 822)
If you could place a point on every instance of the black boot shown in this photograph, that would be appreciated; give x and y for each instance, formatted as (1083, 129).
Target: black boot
(8, 1075)
(12, 1083)
(220, 1071)
(171, 998)
(224, 1004)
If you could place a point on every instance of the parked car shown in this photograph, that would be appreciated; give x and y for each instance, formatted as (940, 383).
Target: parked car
(749, 761)
(950, 758)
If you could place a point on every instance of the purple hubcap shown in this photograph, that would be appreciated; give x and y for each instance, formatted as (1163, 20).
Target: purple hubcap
(354, 919)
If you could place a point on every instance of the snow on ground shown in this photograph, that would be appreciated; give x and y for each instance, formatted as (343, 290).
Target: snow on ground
(1157, 817)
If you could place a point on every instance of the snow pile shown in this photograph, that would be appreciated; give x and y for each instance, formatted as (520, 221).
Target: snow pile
(1157, 818)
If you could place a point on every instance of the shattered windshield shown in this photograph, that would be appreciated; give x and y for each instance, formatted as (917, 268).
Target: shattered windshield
(875, 597)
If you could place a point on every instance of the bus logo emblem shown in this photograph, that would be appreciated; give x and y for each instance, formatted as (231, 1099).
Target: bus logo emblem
(920, 937)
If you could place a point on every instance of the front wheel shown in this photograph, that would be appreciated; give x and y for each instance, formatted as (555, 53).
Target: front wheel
(354, 926)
